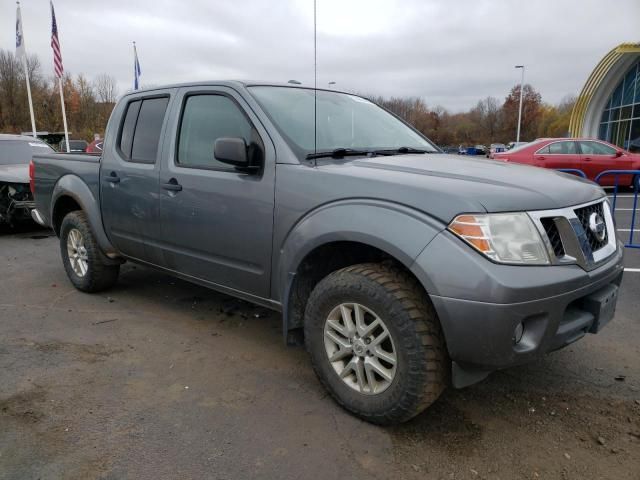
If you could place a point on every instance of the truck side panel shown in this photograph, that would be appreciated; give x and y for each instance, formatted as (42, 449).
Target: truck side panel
(65, 182)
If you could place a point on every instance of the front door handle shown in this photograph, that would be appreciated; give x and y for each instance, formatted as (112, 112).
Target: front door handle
(172, 185)
(112, 178)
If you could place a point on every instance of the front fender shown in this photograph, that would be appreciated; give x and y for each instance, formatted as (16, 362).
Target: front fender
(397, 230)
(74, 187)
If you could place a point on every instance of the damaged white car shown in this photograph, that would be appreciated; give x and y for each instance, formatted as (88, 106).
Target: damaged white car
(16, 200)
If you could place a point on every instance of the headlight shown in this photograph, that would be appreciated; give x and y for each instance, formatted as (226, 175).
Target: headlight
(503, 237)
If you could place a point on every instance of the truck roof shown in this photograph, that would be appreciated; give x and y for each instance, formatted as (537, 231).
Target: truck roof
(232, 84)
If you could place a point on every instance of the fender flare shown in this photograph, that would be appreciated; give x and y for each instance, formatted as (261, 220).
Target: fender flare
(73, 186)
(399, 231)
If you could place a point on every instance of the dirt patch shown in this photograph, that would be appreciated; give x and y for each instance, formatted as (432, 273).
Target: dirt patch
(85, 353)
(24, 407)
(486, 432)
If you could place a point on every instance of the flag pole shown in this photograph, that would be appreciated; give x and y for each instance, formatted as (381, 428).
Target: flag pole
(33, 118)
(64, 115)
(135, 70)
(22, 53)
(59, 71)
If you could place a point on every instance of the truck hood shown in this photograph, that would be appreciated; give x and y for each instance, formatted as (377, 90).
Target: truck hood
(14, 173)
(446, 185)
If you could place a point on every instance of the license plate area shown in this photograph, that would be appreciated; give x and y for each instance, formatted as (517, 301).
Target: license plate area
(602, 305)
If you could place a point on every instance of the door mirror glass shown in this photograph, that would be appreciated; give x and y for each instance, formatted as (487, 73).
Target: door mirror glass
(232, 151)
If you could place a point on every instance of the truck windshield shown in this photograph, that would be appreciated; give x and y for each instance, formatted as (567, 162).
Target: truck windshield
(343, 122)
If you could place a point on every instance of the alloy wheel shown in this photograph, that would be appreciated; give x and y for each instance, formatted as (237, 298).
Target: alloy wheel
(360, 348)
(77, 252)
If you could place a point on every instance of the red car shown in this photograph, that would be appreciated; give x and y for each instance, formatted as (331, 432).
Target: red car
(589, 155)
(95, 146)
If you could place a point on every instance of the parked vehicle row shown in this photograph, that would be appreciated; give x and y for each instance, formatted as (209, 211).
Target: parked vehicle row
(496, 148)
(402, 269)
(588, 155)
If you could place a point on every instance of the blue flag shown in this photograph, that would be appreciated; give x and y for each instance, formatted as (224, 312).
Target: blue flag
(136, 68)
(19, 36)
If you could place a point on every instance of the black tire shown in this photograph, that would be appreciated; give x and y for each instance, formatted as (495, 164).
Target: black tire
(422, 370)
(635, 183)
(100, 274)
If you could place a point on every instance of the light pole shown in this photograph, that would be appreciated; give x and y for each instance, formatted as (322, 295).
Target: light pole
(520, 107)
(331, 84)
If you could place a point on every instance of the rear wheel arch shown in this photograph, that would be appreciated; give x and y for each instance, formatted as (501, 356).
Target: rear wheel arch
(63, 205)
(72, 193)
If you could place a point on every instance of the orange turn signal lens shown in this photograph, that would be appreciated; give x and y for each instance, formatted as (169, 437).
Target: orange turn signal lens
(472, 230)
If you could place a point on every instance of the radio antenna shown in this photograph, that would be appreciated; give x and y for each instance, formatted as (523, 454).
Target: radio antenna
(315, 83)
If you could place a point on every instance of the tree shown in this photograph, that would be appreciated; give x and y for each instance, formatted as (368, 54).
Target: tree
(554, 120)
(106, 88)
(489, 119)
(531, 103)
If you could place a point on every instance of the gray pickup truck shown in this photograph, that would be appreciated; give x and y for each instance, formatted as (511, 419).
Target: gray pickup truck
(403, 269)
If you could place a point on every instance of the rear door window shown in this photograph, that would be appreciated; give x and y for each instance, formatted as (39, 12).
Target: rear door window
(562, 148)
(128, 127)
(140, 135)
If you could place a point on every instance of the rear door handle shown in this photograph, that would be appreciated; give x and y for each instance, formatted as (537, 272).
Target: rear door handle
(112, 178)
(587, 159)
(172, 185)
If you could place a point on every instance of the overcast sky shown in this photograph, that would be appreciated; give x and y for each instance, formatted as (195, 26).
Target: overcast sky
(449, 52)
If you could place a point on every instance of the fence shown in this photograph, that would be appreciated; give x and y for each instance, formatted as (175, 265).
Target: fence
(636, 183)
(636, 187)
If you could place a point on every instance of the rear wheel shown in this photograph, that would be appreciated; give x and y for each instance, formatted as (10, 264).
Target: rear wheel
(86, 266)
(375, 342)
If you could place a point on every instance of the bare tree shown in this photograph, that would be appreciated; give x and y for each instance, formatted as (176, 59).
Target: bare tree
(106, 88)
(490, 119)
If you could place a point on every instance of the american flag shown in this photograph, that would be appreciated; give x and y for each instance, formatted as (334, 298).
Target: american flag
(55, 45)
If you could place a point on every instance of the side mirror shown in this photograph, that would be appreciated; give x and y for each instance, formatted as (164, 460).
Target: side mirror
(619, 153)
(234, 151)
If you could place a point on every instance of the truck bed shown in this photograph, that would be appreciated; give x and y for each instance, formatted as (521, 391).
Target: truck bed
(53, 168)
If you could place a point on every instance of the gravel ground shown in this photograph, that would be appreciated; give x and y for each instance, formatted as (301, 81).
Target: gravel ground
(159, 378)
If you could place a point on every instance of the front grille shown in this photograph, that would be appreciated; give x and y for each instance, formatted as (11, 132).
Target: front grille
(583, 215)
(553, 234)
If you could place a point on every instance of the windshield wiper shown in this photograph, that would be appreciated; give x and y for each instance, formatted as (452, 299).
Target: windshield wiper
(394, 151)
(338, 153)
(350, 152)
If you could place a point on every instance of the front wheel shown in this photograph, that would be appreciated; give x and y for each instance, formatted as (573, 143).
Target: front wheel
(85, 264)
(375, 342)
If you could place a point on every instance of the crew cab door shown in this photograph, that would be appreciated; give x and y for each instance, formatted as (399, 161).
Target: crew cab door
(217, 221)
(596, 157)
(129, 173)
(561, 154)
